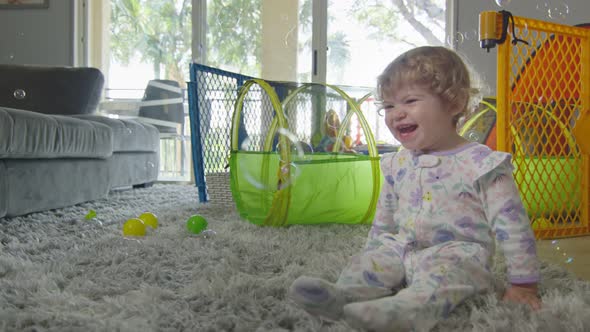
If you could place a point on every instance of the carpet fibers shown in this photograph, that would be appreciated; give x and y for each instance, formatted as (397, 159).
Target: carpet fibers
(61, 272)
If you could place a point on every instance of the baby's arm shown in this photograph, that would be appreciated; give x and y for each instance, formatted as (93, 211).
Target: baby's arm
(383, 221)
(514, 235)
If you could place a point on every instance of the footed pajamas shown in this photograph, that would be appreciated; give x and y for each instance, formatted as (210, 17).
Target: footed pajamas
(432, 241)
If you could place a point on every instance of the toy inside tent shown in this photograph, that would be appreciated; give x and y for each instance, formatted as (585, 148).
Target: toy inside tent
(278, 176)
(539, 123)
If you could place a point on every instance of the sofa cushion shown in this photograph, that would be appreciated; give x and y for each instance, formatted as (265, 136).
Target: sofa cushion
(31, 135)
(50, 89)
(128, 135)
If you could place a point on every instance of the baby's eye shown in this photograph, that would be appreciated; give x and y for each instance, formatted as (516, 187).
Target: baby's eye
(411, 100)
(384, 108)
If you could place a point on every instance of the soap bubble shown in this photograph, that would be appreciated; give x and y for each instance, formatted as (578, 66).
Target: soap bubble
(503, 3)
(569, 259)
(455, 39)
(263, 178)
(19, 94)
(558, 11)
(473, 136)
(299, 150)
(289, 36)
(471, 34)
(542, 7)
(208, 234)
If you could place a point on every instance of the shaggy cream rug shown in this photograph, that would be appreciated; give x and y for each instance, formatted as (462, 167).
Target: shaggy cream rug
(62, 272)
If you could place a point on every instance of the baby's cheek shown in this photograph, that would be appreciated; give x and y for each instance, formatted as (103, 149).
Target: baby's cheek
(391, 129)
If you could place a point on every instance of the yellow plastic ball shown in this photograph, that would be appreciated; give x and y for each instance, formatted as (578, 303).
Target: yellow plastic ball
(134, 227)
(149, 219)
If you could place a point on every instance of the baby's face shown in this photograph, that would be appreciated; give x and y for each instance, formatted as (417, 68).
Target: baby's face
(420, 119)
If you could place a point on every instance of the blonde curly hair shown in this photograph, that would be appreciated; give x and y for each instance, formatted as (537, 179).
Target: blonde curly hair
(438, 68)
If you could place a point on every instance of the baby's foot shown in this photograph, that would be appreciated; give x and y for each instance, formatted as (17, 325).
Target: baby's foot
(375, 315)
(318, 297)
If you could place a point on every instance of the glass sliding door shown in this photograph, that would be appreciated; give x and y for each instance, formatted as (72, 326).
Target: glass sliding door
(276, 40)
(149, 39)
(262, 38)
(149, 44)
(365, 35)
(345, 42)
(341, 42)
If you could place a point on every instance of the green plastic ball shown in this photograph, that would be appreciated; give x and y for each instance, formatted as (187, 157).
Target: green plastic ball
(91, 214)
(196, 224)
(134, 227)
(149, 219)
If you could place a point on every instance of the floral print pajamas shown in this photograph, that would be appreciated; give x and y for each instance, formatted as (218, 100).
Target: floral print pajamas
(433, 236)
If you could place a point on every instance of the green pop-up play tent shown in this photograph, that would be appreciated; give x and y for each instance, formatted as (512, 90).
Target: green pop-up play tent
(275, 186)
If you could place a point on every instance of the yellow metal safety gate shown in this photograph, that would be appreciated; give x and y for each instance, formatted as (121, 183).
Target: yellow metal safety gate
(543, 100)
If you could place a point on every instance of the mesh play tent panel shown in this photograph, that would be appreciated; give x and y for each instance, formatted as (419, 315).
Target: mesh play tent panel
(277, 176)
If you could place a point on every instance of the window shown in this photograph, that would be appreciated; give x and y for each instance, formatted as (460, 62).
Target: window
(365, 35)
(283, 40)
(151, 40)
(258, 38)
(342, 42)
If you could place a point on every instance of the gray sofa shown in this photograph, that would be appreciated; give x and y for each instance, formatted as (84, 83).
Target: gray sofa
(56, 151)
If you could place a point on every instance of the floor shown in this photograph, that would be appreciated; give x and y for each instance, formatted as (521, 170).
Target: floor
(571, 253)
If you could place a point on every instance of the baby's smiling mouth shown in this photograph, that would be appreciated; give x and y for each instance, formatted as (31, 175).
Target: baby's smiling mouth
(406, 129)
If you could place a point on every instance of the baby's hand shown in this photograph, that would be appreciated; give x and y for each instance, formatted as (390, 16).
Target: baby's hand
(525, 294)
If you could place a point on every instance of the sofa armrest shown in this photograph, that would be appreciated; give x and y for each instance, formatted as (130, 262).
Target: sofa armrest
(51, 90)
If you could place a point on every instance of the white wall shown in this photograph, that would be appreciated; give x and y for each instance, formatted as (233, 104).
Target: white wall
(38, 36)
(467, 12)
(279, 51)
